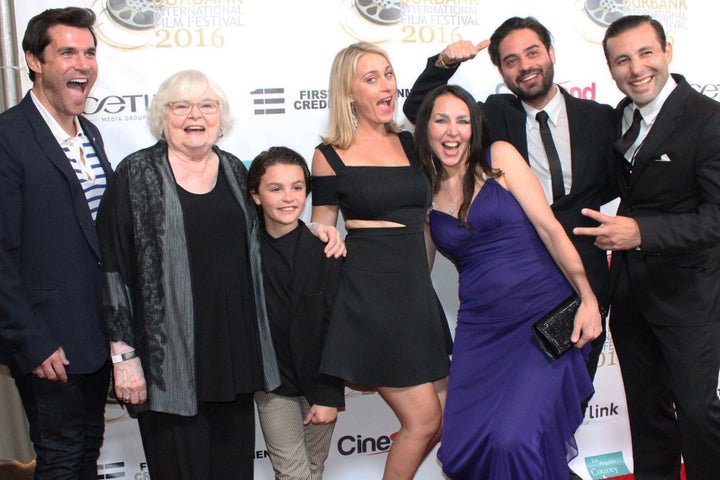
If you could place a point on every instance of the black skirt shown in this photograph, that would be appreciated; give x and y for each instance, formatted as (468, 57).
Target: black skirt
(388, 327)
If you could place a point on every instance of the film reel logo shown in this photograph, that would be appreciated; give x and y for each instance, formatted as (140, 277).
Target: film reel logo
(371, 20)
(592, 17)
(126, 24)
(604, 12)
(132, 14)
(380, 12)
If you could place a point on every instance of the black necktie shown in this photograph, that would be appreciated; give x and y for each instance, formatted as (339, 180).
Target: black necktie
(558, 187)
(628, 138)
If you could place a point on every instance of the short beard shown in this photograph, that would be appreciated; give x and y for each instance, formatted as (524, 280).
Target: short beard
(548, 77)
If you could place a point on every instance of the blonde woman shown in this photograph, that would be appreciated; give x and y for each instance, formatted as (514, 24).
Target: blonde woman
(388, 330)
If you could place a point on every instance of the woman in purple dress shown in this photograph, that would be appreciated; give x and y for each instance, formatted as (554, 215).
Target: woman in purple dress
(511, 412)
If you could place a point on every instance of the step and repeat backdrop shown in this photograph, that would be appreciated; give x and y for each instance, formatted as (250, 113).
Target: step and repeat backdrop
(273, 57)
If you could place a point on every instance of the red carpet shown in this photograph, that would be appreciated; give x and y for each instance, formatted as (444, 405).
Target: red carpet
(632, 477)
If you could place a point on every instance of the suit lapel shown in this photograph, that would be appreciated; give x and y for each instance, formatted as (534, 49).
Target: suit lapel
(47, 141)
(578, 126)
(516, 127)
(98, 146)
(305, 255)
(664, 126)
(621, 178)
(57, 157)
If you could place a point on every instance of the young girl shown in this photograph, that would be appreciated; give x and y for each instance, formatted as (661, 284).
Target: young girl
(298, 418)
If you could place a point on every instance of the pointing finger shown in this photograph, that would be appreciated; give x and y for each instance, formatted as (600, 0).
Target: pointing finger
(588, 231)
(482, 45)
(595, 215)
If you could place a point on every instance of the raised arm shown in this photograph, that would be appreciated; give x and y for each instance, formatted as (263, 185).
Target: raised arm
(439, 69)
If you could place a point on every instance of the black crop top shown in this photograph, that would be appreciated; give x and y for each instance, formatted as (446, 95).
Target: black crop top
(395, 194)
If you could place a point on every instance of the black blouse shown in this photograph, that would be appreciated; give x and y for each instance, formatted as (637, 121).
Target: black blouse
(278, 256)
(227, 349)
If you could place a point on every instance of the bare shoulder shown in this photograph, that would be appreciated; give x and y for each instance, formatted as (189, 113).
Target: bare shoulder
(505, 156)
(320, 166)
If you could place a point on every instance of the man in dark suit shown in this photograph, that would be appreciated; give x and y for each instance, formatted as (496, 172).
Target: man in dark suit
(583, 131)
(665, 270)
(53, 171)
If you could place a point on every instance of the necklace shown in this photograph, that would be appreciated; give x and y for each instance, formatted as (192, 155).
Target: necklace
(453, 202)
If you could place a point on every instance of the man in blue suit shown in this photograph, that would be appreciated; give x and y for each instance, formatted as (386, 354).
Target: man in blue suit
(53, 172)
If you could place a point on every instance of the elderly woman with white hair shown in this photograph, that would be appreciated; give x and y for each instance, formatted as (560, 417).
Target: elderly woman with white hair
(184, 302)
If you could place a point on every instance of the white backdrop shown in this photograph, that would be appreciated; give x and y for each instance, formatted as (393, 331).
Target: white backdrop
(273, 57)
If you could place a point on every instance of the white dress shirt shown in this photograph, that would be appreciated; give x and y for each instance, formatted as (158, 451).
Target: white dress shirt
(560, 130)
(649, 113)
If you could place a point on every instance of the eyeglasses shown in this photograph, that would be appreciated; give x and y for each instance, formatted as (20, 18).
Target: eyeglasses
(183, 108)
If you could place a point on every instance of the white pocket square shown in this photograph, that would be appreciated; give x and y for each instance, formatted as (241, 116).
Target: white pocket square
(663, 158)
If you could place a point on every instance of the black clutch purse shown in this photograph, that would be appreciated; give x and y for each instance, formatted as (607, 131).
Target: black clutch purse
(553, 330)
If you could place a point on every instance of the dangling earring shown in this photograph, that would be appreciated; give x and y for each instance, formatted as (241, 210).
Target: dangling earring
(354, 114)
(432, 164)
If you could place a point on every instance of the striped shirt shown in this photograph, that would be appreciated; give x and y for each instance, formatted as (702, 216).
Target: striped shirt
(87, 167)
(81, 155)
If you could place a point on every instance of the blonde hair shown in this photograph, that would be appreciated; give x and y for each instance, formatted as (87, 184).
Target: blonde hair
(341, 132)
(186, 85)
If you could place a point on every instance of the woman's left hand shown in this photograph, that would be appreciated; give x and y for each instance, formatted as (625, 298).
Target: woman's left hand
(130, 387)
(588, 323)
(331, 236)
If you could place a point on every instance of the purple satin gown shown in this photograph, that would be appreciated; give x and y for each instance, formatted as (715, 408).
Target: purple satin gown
(511, 412)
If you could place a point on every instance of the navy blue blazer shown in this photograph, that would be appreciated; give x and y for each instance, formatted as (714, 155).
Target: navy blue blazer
(592, 133)
(50, 273)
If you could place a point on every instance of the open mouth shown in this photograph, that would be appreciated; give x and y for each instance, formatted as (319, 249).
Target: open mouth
(386, 103)
(78, 84)
(194, 129)
(451, 145)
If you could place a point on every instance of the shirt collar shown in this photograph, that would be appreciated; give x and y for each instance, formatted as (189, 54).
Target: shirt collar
(553, 109)
(58, 132)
